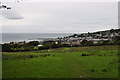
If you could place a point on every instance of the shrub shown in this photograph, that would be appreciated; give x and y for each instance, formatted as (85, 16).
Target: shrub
(84, 55)
(104, 70)
(93, 70)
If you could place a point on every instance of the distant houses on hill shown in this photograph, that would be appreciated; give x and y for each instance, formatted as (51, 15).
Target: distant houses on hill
(108, 37)
(95, 37)
(77, 39)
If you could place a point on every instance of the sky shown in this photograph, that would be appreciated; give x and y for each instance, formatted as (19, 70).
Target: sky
(59, 17)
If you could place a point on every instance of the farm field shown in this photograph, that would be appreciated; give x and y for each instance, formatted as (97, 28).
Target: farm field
(68, 62)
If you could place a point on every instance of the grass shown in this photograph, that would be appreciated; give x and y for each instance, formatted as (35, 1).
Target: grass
(101, 62)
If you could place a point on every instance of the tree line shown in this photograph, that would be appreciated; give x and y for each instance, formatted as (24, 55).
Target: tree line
(33, 45)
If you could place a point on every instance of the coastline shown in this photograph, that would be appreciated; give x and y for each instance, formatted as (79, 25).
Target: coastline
(20, 37)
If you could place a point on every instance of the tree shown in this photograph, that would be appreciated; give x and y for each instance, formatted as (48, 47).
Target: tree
(33, 43)
(116, 40)
(90, 43)
(84, 42)
(105, 42)
(6, 48)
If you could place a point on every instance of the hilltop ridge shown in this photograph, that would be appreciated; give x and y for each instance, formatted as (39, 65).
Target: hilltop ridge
(99, 34)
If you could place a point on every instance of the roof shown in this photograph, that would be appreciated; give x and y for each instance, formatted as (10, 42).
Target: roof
(40, 45)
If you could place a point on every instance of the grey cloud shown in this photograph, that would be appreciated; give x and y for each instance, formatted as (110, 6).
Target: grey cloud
(11, 14)
(63, 17)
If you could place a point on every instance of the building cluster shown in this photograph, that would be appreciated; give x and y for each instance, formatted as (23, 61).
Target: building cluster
(76, 39)
(95, 37)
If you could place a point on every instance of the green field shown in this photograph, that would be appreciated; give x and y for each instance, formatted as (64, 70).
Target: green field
(99, 62)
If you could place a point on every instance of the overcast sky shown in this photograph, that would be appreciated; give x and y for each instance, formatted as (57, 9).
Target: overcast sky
(61, 17)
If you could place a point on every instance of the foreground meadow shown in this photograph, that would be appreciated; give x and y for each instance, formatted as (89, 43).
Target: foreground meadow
(69, 62)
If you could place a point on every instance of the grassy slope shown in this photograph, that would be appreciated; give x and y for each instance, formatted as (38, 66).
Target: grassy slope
(67, 63)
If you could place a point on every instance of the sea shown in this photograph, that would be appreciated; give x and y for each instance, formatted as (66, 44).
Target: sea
(19, 37)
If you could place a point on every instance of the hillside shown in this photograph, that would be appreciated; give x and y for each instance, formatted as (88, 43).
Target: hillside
(107, 34)
(69, 62)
